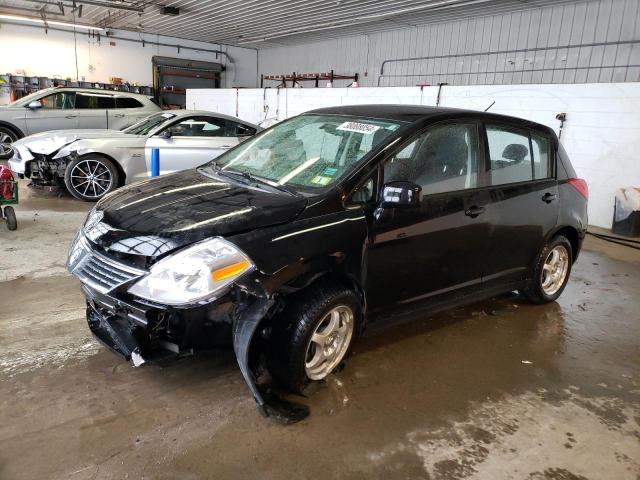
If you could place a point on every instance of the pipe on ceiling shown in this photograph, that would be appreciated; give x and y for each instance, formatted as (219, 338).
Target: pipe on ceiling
(133, 40)
(95, 3)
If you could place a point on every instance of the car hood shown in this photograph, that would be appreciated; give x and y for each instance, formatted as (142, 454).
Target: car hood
(156, 216)
(46, 143)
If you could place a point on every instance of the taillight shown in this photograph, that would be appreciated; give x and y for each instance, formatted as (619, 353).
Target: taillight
(581, 186)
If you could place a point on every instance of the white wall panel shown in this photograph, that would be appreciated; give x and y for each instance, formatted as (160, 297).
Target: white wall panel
(600, 135)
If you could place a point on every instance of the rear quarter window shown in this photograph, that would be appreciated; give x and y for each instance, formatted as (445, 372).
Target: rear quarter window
(541, 156)
(126, 102)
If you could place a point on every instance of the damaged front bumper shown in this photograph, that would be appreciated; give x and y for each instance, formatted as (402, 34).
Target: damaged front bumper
(144, 334)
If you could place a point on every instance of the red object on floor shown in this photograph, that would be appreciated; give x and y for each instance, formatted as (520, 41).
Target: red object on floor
(6, 183)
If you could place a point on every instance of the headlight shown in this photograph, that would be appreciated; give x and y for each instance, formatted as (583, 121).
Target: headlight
(194, 274)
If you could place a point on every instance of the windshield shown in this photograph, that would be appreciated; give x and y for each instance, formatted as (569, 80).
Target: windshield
(143, 127)
(307, 151)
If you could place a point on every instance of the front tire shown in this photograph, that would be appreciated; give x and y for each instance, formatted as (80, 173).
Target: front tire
(91, 177)
(313, 335)
(551, 271)
(7, 138)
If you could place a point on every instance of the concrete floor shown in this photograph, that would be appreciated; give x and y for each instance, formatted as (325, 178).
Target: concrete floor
(498, 390)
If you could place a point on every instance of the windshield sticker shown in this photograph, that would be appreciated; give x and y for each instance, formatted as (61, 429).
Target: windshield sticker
(320, 180)
(365, 128)
(330, 172)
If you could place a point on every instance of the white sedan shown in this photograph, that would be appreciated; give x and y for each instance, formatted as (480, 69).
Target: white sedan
(92, 163)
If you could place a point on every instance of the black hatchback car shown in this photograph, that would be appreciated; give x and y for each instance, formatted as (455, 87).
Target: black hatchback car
(288, 245)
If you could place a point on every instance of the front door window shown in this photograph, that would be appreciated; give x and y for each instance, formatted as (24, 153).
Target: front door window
(58, 101)
(443, 159)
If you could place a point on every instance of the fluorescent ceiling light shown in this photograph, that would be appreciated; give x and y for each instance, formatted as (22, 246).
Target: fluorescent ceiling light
(21, 18)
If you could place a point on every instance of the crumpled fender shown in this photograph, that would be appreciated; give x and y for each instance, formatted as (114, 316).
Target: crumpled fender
(73, 148)
(245, 326)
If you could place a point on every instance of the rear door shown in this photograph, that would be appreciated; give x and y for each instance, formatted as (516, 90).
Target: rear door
(438, 248)
(523, 205)
(127, 111)
(193, 142)
(92, 107)
(57, 113)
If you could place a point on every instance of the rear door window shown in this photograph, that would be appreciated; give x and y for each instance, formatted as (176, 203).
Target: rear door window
(95, 101)
(509, 155)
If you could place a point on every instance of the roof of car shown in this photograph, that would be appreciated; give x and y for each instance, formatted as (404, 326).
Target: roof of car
(415, 113)
(93, 90)
(185, 113)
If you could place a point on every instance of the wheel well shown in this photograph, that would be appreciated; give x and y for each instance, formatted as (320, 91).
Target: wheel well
(121, 175)
(337, 278)
(13, 128)
(572, 235)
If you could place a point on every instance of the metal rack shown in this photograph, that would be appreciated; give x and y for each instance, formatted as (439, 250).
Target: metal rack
(296, 78)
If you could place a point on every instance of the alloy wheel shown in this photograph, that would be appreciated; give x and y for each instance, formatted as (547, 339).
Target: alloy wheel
(91, 178)
(329, 342)
(554, 270)
(6, 145)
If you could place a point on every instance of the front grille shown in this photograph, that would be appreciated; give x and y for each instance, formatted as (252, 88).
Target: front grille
(97, 270)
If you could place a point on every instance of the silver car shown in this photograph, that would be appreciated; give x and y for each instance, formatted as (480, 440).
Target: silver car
(70, 108)
(92, 163)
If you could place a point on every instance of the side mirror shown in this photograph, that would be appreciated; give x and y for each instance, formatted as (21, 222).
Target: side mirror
(34, 105)
(166, 134)
(401, 194)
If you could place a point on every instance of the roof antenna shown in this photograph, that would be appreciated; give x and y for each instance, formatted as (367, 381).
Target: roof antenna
(487, 109)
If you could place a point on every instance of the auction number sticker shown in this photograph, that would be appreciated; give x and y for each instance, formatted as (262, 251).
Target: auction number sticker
(357, 127)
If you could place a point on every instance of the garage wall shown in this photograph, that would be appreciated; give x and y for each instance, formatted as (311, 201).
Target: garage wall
(585, 41)
(600, 134)
(40, 54)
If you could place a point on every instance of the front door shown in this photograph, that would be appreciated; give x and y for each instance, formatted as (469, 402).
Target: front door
(191, 142)
(419, 253)
(523, 206)
(57, 113)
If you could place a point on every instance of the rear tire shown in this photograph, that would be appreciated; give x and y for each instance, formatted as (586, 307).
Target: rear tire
(551, 272)
(10, 217)
(91, 177)
(7, 137)
(304, 346)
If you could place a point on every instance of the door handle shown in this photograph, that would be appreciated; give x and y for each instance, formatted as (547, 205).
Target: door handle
(549, 197)
(70, 116)
(474, 211)
(226, 146)
(119, 115)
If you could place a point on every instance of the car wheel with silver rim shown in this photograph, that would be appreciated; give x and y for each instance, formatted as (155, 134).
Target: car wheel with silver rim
(7, 138)
(551, 272)
(313, 335)
(329, 343)
(91, 177)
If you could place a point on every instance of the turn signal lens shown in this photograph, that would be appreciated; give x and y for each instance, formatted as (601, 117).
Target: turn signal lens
(229, 271)
(581, 186)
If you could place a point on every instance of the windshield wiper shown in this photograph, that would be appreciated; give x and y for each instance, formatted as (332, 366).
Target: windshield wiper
(250, 179)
